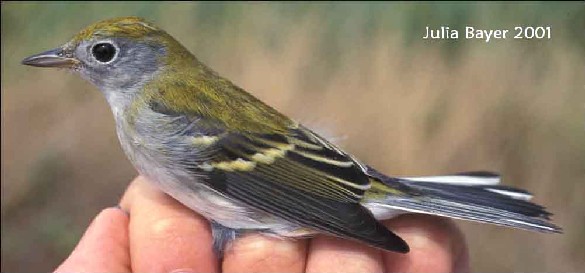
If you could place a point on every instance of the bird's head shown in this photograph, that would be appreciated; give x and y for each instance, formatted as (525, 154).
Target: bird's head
(118, 55)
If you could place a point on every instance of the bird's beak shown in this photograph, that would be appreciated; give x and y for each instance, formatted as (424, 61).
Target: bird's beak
(52, 58)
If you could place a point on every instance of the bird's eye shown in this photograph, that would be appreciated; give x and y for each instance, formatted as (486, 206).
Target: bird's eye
(103, 52)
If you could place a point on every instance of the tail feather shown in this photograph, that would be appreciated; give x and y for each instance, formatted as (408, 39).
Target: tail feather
(489, 181)
(518, 194)
(482, 200)
(465, 178)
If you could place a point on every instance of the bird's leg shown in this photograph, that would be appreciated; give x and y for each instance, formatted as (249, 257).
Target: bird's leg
(222, 236)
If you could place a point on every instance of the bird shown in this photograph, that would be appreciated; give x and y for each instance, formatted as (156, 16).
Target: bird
(245, 166)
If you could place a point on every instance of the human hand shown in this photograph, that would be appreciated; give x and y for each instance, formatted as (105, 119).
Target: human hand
(163, 236)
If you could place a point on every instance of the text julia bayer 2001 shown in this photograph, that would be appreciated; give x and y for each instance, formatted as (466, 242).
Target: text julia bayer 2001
(488, 35)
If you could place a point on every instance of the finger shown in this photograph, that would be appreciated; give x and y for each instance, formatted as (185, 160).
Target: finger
(436, 245)
(259, 253)
(103, 247)
(166, 236)
(332, 254)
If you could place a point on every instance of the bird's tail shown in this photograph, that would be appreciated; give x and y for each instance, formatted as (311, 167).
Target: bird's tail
(474, 196)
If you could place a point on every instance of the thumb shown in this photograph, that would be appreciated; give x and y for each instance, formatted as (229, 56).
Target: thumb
(103, 247)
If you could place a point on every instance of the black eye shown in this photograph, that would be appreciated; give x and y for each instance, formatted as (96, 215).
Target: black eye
(103, 52)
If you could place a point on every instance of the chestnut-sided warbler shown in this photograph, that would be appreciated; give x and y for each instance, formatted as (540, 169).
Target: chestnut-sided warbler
(246, 167)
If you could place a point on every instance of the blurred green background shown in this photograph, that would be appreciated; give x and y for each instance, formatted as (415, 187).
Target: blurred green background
(358, 73)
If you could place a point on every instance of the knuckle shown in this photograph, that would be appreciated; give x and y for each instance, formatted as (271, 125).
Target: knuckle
(169, 228)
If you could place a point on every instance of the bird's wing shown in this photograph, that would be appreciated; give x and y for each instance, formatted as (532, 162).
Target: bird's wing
(298, 176)
(301, 178)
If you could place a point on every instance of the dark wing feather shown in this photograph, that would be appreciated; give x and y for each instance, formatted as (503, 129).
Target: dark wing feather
(298, 177)
(292, 160)
(302, 179)
(344, 219)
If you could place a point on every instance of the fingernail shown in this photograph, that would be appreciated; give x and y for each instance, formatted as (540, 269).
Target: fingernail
(183, 270)
(123, 210)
